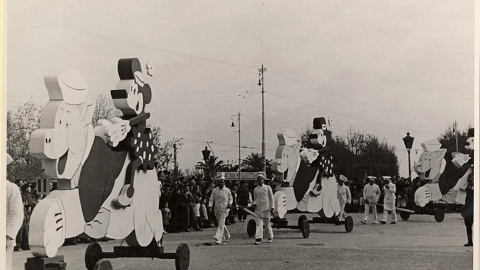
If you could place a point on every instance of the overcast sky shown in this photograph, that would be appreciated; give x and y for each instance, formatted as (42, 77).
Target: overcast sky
(382, 67)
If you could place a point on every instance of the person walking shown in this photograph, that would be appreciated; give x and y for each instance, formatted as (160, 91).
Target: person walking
(389, 190)
(243, 198)
(371, 193)
(14, 217)
(344, 196)
(468, 210)
(221, 201)
(264, 205)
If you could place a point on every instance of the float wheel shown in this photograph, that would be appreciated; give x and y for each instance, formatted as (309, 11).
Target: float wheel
(305, 229)
(404, 215)
(439, 214)
(182, 258)
(103, 265)
(349, 224)
(251, 228)
(92, 255)
(300, 221)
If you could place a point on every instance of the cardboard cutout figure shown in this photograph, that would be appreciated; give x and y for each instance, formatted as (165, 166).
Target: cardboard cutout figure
(91, 173)
(431, 165)
(308, 181)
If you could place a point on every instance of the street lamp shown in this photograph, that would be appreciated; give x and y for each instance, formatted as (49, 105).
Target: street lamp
(239, 146)
(206, 155)
(408, 141)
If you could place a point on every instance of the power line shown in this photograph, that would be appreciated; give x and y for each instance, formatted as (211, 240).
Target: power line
(345, 115)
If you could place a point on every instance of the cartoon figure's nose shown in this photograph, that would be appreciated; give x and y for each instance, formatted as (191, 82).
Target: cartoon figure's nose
(48, 138)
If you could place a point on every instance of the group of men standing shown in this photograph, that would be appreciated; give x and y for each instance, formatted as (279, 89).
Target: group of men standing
(371, 194)
(221, 202)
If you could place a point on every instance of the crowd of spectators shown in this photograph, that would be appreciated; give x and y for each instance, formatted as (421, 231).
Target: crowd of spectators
(184, 203)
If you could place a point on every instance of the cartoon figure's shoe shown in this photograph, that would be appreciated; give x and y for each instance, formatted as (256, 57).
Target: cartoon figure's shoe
(126, 196)
(49, 234)
(317, 189)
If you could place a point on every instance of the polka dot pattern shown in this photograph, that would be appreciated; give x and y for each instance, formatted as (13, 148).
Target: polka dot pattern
(142, 147)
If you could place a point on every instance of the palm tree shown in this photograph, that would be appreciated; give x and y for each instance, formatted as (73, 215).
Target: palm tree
(211, 167)
(253, 162)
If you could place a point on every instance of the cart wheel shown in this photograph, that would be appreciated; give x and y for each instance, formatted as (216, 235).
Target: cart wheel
(405, 215)
(439, 214)
(251, 228)
(300, 221)
(305, 228)
(92, 255)
(103, 265)
(349, 224)
(182, 258)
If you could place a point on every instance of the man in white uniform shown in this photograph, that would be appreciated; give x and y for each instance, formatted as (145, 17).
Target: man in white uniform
(264, 206)
(344, 196)
(14, 217)
(371, 193)
(389, 201)
(221, 199)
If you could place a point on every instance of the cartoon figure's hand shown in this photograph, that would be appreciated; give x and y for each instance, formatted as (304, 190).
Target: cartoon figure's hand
(459, 159)
(113, 132)
(117, 131)
(309, 155)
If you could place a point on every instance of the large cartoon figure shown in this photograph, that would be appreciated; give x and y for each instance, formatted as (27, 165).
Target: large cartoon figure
(91, 173)
(431, 166)
(307, 174)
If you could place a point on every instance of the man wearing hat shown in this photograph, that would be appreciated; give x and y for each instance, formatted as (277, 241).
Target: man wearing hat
(371, 193)
(221, 200)
(14, 217)
(344, 196)
(263, 204)
(389, 200)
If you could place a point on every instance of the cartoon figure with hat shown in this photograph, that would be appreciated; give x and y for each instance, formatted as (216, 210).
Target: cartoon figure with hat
(90, 174)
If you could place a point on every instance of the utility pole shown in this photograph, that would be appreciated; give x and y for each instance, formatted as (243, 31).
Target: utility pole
(239, 144)
(261, 82)
(175, 167)
(456, 133)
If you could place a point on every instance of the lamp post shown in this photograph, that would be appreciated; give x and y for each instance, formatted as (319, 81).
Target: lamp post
(239, 145)
(408, 141)
(206, 155)
(261, 83)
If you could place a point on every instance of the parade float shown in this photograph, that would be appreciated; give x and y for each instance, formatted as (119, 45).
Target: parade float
(106, 182)
(305, 181)
(440, 191)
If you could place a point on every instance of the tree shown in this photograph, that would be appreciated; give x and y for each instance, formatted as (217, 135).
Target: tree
(359, 154)
(165, 154)
(20, 124)
(253, 163)
(210, 167)
(104, 109)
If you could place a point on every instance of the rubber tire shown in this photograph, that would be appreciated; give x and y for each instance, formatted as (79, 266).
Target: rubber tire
(103, 264)
(251, 228)
(439, 214)
(404, 215)
(182, 258)
(305, 229)
(92, 255)
(300, 221)
(349, 224)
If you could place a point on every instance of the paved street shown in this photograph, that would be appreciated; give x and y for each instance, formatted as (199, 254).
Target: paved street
(419, 243)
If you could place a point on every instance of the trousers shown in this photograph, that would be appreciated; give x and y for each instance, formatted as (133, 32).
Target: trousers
(222, 231)
(9, 253)
(264, 218)
(367, 210)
